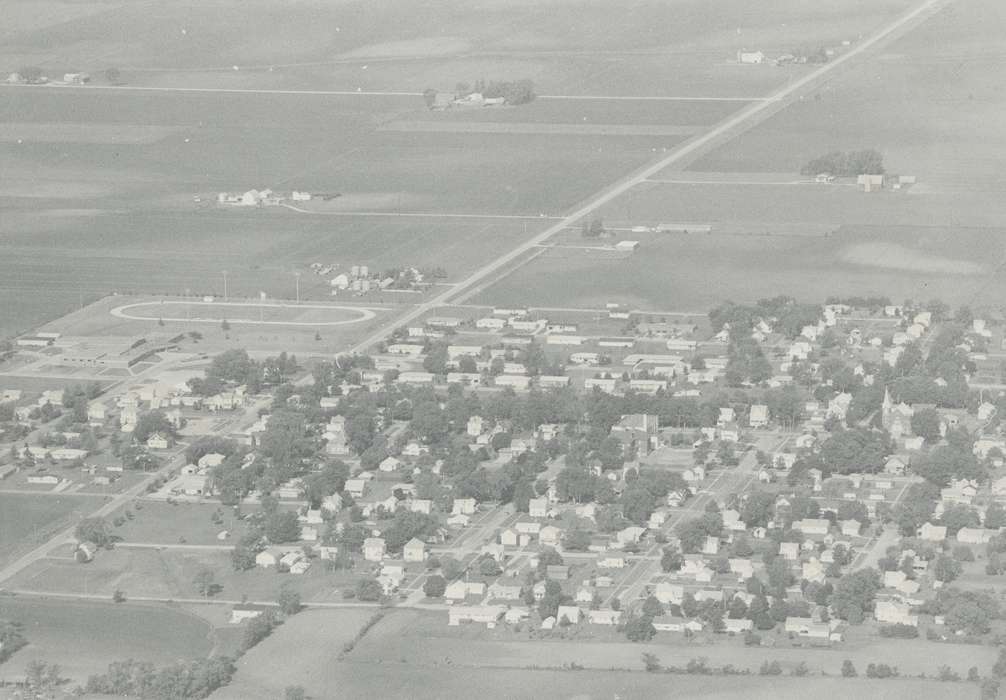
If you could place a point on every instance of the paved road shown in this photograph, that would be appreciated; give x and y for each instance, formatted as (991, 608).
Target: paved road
(732, 126)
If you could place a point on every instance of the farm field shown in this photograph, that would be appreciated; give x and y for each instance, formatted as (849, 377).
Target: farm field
(83, 637)
(27, 520)
(694, 272)
(118, 169)
(398, 637)
(332, 45)
(929, 103)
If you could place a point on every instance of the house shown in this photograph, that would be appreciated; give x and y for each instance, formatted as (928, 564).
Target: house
(538, 507)
(812, 526)
(464, 506)
(570, 612)
(611, 561)
(374, 549)
(932, 533)
(482, 614)
(813, 571)
(265, 559)
(850, 528)
(389, 464)
(629, 535)
(806, 627)
(604, 617)
(550, 535)
(758, 416)
(509, 538)
(504, 591)
(158, 441)
(711, 545)
(670, 623)
(459, 590)
(516, 615)
(974, 535)
(245, 611)
(356, 487)
(731, 626)
(421, 505)
(750, 57)
(895, 613)
(414, 550)
(789, 550)
(895, 466)
(669, 593)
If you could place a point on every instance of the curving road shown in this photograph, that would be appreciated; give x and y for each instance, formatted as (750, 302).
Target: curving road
(741, 121)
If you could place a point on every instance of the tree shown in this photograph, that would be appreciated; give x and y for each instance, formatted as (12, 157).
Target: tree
(434, 586)
(488, 566)
(640, 629)
(854, 594)
(31, 74)
(294, 692)
(576, 540)
(289, 601)
(281, 527)
(651, 663)
(112, 75)
(652, 607)
(926, 424)
(11, 639)
(369, 590)
(93, 530)
(671, 559)
(995, 516)
(258, 629)
(430, 97)
(205, 583)
(848, 670)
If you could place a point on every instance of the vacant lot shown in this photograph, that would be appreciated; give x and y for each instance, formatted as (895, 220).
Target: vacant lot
(84, 637)
(26, 521)
(160, 523)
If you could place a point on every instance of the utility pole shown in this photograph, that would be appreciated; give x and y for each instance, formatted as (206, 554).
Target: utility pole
(225, 285)
(297, 277)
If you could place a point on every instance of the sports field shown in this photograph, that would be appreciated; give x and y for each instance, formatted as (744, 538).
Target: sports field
(83, 637)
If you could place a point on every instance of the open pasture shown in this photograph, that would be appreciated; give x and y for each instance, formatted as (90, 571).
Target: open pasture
(83, 637)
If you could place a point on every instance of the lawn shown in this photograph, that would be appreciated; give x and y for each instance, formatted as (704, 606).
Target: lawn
(160, 523)
(84, 637)
(27, 521)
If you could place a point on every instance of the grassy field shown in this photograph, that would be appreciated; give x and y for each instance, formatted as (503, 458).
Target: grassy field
(84, 637)
(304, 651)
(189, 521)
(168, 573)
(398, 638)
(26, 520)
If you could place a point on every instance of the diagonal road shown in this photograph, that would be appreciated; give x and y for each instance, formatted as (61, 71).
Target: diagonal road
(741, 121)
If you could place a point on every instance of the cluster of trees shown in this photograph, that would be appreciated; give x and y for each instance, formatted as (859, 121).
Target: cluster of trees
(854, 450)
(847, 164)
(180, 681)
(234, 367)
(746, 362)
(787, 315)
(11, 639)
(970, 612)
(854, 594)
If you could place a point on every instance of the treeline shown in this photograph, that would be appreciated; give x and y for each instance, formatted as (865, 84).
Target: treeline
(235, 367)
(787, 315)
(180, 681)
(846, 164)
